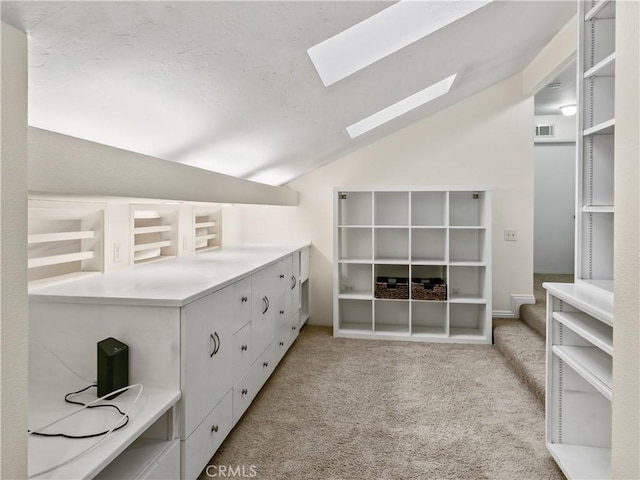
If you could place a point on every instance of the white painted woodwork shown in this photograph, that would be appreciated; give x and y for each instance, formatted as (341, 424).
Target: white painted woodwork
(579, 378)
(580, 316)
(198, 449)
(442, 232)
(205, 342)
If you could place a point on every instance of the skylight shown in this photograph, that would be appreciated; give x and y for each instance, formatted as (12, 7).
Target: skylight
(403, 106)
(384, 33)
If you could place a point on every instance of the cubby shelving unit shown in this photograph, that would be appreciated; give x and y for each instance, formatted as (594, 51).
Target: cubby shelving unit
(580, 315)
(154, 233)
(413, 233)
(207, 229)
(65, 241)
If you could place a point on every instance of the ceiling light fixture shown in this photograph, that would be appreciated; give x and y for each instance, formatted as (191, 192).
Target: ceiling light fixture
(384, 33)
(403, 106)
(569, 110)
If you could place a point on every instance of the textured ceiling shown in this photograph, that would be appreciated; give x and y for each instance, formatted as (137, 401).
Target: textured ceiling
(228, 86)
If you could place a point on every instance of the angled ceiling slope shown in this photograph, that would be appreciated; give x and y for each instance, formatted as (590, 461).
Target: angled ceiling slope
(229, 86)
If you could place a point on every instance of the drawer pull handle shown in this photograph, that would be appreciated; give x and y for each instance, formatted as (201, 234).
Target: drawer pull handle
(244, 391)
(282, 344)
(293, 328)
(281, 312)
(215, 342)
(214, 428)
(294, 281)
(265, 302)
(282, 275)
(244, 299)
(243, 348)
(265, 364)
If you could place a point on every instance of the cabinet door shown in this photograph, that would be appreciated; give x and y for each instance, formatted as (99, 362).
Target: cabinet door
(206, 347)
(241, 356)
(263, 284)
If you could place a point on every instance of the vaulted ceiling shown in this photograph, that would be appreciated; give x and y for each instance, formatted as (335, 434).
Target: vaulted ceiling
(229, 86)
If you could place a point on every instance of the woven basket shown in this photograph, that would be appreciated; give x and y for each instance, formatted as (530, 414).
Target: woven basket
(392, 288)
(428, 289)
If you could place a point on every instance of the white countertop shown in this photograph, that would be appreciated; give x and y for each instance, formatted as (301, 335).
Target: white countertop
(168, 283)
(597, 302)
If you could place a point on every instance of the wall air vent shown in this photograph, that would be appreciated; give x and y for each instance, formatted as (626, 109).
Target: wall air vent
(544, 131)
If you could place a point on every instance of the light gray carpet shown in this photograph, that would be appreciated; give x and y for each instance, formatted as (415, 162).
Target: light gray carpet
(364, 409)
(535, 315)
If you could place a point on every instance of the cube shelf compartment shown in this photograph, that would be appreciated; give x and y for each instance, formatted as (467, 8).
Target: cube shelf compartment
(431, 235)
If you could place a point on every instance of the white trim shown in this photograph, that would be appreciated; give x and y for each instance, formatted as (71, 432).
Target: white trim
(517, 300)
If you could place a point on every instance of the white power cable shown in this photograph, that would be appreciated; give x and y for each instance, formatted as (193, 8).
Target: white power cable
(106, 435)
(62, 362)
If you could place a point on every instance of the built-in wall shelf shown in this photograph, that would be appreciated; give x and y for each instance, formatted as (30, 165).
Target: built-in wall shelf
(579, 378)
(155, 232)
(579, 361)
(65, 241)
(423, 236)
(207, 229)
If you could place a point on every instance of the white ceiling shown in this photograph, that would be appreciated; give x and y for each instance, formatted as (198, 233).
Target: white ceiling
(558, 92)
(228, 86)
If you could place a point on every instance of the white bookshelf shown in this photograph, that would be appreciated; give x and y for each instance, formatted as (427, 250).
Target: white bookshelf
(580, 315)
(413, 233)
(579, 378)
(596, 127)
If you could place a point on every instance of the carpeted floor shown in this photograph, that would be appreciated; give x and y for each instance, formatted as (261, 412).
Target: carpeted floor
(364, 409)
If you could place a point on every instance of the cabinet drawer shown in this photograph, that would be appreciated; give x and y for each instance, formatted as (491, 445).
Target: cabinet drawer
(264, 366)
(241, 357)
(241, 303)
(198, 449)
(248, 387)
(243, 393)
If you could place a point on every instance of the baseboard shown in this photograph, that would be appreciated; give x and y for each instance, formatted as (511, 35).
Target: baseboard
(516, 302)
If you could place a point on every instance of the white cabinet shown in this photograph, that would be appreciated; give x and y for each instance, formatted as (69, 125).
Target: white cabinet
(206, 336)
(413, 263)
(579, 370)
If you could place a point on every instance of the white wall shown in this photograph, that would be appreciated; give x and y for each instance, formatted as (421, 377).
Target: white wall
(486, 140)
(625, 462)
(554, 208)
(13, 256)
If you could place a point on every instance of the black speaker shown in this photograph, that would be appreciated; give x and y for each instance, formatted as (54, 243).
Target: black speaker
(113, 366)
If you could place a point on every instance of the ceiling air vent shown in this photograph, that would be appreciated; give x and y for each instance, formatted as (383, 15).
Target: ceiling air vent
(544, 131)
